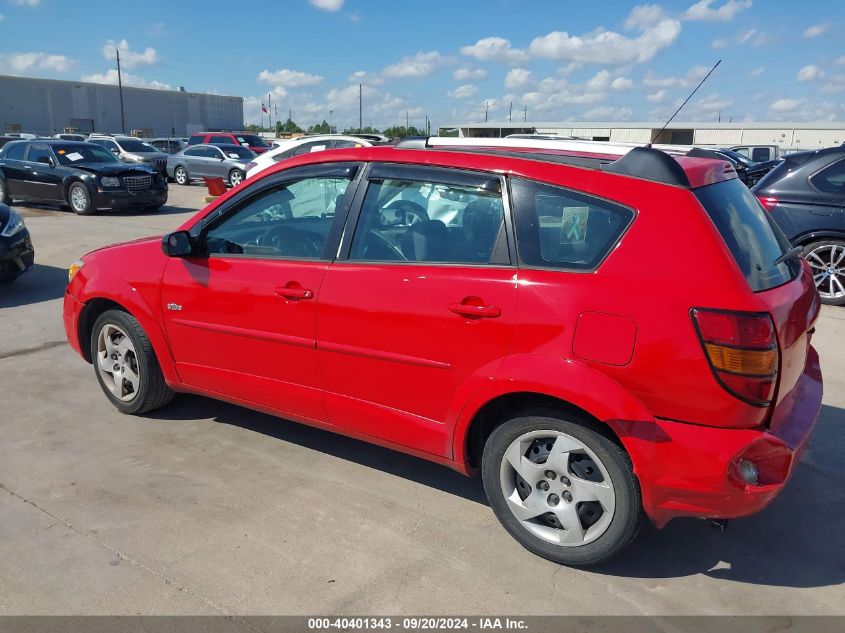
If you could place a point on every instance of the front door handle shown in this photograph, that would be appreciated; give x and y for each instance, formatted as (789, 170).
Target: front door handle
(294, 294)
(475, 311)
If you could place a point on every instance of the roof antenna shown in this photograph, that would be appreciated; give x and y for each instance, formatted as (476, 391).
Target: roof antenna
(701, 83)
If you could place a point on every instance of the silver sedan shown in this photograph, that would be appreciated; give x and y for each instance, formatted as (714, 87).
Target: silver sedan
(209, 161)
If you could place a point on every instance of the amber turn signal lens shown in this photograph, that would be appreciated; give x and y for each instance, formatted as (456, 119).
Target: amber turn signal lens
(742, 361)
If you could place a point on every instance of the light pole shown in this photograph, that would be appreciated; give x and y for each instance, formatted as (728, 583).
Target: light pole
(331, 128)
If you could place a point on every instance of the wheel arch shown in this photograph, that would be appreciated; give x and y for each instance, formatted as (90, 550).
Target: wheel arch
(818, 236)
(538, 381)
(74, 178)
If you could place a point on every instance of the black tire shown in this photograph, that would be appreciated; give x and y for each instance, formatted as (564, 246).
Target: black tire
(153, 391)
(236, 174)
(180, 175)
(4, 195)
(627, 517)
(82, 204)
(824, 287)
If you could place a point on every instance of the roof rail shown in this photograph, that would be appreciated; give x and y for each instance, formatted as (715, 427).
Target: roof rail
(628, 159)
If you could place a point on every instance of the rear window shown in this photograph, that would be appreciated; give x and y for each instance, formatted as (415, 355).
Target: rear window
(753, 238)
(559, 228)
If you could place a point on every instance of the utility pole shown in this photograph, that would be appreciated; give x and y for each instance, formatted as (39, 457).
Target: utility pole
(360, 109)
(120, 90)
(486, 110)
(270, 113)
(525, 114)
(331, 128)
(510, 113)
(407, 122)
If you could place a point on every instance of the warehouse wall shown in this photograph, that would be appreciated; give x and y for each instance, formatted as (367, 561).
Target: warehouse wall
(46, 106)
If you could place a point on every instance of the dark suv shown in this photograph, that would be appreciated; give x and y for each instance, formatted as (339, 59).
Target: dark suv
(806, 195)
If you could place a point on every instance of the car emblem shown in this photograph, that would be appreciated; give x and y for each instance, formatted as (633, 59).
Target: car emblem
(174, 306)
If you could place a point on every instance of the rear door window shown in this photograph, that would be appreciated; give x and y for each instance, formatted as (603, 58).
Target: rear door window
(560, 228)
(831, 179)
(16, 151)
(752, 237)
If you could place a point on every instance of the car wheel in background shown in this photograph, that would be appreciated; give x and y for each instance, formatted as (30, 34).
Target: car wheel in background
(563, 490)
(4, 196)
(827, 261)
(79, 199)
(236, 177)
(126, 365)
(181, 176)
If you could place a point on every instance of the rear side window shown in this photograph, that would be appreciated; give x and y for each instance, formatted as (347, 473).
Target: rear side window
(831, 179)
(559, 228)
(196, 140)
(753, 238)
(15, 152)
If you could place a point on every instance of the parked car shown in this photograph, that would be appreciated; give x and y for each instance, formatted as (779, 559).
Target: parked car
(131, 150)
(85, 176)
(7, 139)
(207, 161)
(168, 145)
(737, 161)
(29, 136)
(805, 194)
(758, 153)
(590, 383)
(251, 141)
(755, 173)
(16, 252)
(66, 136)
(302, 145)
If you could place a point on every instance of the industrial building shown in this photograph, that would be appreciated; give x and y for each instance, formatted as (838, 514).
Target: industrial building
(49, 106)
(788, 136)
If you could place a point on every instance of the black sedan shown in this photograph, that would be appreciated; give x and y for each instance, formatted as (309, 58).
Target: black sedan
(16, 252)
(805, 194)
(84, 176)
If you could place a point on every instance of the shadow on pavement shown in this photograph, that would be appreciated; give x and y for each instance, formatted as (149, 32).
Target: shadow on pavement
(39, 283)
(799, 541)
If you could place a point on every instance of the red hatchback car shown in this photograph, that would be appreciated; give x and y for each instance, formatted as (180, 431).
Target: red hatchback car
(251, 141)
(529, 313)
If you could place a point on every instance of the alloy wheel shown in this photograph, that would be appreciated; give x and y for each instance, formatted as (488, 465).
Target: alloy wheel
(557, 488)
(236, 178)
(828, 264)
(78, 199)
(181, 176)
(117, 362)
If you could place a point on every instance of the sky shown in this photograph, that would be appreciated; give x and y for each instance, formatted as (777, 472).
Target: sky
(454, 61)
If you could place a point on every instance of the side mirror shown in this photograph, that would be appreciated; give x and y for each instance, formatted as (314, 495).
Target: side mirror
(177, 244)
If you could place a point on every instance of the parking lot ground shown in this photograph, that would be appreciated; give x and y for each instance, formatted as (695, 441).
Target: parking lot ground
(204, 507)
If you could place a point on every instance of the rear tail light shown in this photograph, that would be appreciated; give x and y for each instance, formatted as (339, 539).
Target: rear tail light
(768, 202)
(742, 350)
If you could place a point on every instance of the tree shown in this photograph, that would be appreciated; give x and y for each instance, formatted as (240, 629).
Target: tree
(401, 132)
(367, 130)
(289, 126)
(320, 128)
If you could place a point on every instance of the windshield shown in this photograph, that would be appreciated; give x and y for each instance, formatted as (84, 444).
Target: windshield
(133, 145)
(752, 237)
(81, 154)
(739, 157)
(233, 151)
(251, 139)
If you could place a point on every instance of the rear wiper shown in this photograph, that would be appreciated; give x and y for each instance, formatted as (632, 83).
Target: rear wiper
(792, 252)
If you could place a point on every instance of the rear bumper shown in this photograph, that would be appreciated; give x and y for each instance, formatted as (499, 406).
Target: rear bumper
(16, 255)
(126, 200)
(693, 471)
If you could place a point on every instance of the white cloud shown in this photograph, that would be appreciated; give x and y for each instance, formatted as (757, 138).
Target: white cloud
(110, 77)
(518, 78)
(26, 3)
(17, 63)
(465, 74)
(288, 78)
(757, 72)
(606, 113)
(607, 47)
(656, 97)
(363, 77)
(810, 73)
(621, 83)
(128, 57)
(2, 17)
(720, 43)
(644, 15)
(420, 65)
(840, 61)
(495, 49)
(816, 30)
(693, 76)
(725, 13)
(782, 106)
(327, 5)
(463, 92)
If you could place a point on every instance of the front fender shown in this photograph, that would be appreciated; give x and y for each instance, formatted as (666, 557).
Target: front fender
(142, 302)
(568, 380)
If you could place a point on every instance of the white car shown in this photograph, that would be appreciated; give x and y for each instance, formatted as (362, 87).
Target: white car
(301, 145)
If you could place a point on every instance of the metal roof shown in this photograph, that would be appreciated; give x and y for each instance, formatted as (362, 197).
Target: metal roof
(712, 125)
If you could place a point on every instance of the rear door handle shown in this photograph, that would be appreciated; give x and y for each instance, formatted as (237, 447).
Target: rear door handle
(294, 294)
(475, 312)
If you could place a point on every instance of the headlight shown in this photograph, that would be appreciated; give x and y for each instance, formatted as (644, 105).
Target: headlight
(74, 268)
(14, 225)
(110, 181)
